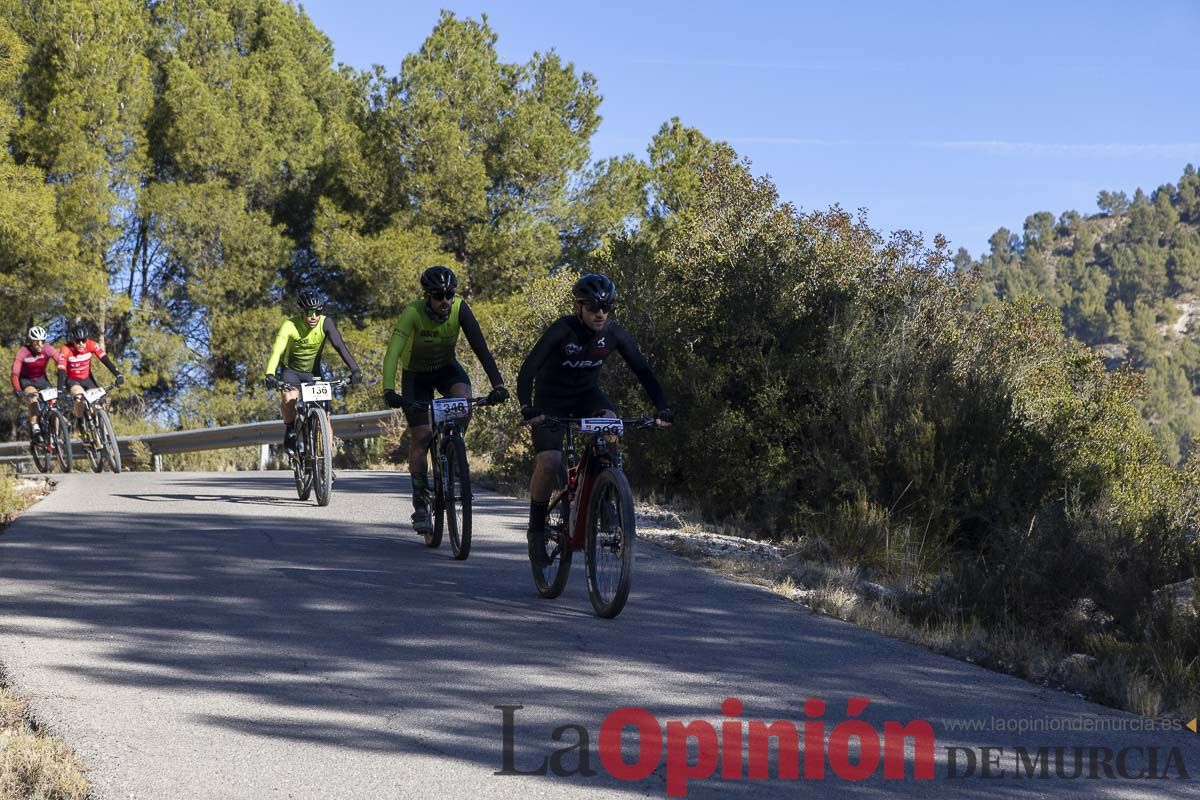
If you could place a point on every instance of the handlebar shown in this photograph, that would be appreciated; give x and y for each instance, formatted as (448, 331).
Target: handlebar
(335, 384)
(425, 405)
(629, 422)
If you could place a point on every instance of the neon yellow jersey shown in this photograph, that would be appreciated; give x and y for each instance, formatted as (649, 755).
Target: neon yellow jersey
(296, 351)
(419, 342)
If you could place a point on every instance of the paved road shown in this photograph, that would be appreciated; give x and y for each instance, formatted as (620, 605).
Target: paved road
(209, 636)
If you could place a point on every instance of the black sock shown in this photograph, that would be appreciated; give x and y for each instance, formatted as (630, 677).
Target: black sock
(537, 515)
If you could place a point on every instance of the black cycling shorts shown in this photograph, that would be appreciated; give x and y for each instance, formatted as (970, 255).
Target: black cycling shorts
(549, 435)
(87, 383)
(37, 383)
(295, 378)
(419, 386)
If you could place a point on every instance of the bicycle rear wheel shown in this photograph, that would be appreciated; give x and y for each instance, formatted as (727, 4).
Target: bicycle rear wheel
(321, 452)
(61, 433)
(110, 450)
(456, 487)
(551, 579)
(608, 552)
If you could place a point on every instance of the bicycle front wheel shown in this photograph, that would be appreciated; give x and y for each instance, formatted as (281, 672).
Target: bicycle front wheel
(609, 547)
(300, 461)
(551, 579)
(320, 450)
(39, 446)
(61, 433)
(93, 442)
(456, 484)
(108, 437)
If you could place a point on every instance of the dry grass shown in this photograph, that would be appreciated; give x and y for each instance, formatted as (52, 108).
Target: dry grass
(38, 767)
(18, 494)
(805, 572)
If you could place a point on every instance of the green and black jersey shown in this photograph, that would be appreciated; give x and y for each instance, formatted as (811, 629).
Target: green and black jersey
(421, 343)
(297, 347)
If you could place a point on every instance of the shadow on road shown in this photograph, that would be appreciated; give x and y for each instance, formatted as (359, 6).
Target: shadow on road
(338, 627)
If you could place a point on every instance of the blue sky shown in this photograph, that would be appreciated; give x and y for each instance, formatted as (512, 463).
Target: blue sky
(935, 116)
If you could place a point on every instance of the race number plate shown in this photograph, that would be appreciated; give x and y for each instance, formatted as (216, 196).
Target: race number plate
(316, 392)
(49, 394)
(446, 409)
(605, 425)
(92, 395)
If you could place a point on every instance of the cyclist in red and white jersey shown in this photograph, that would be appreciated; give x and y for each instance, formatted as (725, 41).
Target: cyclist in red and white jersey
(29, 370)
(75, 364)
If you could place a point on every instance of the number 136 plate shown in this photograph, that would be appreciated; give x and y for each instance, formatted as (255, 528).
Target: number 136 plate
(316, 392)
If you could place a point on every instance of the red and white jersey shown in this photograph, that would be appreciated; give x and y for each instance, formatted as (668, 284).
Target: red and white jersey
(79, 365)
(31, 365)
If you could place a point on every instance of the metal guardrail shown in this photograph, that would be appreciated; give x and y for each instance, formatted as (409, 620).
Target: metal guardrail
(345, 426)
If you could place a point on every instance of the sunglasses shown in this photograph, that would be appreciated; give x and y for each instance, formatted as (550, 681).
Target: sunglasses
(440, 295)
(314, 312)
(596, 308)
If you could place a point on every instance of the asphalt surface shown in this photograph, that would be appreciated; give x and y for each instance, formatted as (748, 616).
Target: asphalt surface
(210, 636)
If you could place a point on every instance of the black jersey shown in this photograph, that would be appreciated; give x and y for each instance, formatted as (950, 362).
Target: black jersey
(566, 362)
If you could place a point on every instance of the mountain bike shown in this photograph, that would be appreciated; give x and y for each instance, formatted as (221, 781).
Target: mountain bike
(52, 442)
(592, 512)
(312, 460)
(451, 501)
(96, 431)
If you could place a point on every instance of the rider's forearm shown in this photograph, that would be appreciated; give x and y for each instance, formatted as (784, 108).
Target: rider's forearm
(277, 351)
(645, 375)
(106, 361)
(470, 329)
(16, 375)
(395, 347)
(533, 362)
(334, 337)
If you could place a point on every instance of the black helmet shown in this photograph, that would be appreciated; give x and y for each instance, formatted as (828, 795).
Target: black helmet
(438, 279)
(78, 332)
(595, 288)
(310, 299)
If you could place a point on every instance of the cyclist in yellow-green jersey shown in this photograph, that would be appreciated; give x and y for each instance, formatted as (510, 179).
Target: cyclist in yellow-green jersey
(423, 345)
(296, 355)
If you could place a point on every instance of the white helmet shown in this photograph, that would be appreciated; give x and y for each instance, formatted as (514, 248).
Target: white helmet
(37, 334)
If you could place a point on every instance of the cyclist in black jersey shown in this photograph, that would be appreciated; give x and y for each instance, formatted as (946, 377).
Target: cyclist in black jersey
(561, 377)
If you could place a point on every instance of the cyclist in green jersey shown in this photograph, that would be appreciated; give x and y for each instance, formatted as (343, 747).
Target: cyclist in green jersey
(423, 343)
(296, 355)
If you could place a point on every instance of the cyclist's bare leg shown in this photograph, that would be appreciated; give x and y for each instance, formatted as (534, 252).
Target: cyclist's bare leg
(545, 475)
(419, 439)
(76, 396)
(287, 410)
(31, 393)
(287, 406)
